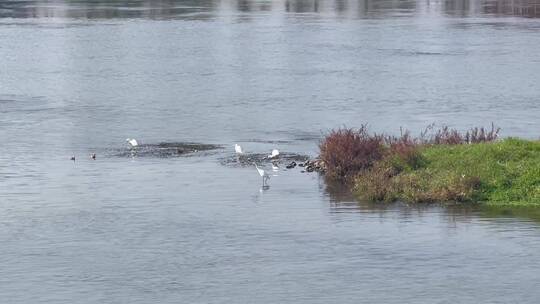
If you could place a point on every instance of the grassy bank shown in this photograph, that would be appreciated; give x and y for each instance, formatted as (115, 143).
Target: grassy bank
(482, 169)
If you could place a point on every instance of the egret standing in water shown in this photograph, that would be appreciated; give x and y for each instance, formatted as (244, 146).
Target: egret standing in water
(275, 168)
(132, 142)
(264, 175)
(238, 149)
(274, 154)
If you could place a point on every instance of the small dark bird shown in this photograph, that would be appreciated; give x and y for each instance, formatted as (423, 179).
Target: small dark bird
(72, 158)
(93, 156)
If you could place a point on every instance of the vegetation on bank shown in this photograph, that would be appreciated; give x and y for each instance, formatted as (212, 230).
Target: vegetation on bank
(441, 165)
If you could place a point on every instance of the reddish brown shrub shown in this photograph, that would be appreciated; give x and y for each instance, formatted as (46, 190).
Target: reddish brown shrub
(443, 136)
(448, 136)
(478, 135)
(403, 150)
(346, 152)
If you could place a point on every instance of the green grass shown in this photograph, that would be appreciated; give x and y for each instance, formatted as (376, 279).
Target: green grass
(505, 172)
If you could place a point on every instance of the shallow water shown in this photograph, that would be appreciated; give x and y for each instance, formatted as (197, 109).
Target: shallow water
(80, 77)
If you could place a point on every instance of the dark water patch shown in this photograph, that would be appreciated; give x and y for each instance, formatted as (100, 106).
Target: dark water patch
(531, 213)
(308, 138)
(269, 141)
(338, 192)
(23, 23)
(261, 159)
(502, 24)
(167, 150)
(405, 52)
(454, 214)
(45, 25)
(22, 103)
(103, 10)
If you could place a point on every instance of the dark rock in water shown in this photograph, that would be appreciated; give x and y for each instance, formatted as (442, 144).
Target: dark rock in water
(262, 159)
(185, 146)
(320, 166)
(301, 165)
(166, 149)
(315, 165)
(185, 150)
(291, 165)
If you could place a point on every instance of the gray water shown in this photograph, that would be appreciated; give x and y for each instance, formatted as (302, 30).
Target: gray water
(79, 77)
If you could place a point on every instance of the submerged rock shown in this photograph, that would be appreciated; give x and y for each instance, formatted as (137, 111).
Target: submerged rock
(291, 165)
(315, 165)
(166, 149)
(261, 159)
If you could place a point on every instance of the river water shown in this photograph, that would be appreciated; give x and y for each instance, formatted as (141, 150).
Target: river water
(79, 77)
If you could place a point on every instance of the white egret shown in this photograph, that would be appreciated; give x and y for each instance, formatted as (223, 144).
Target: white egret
(93, 156)
(275, 168)
(274, 154)
(132, 142)
(238, 149)
(263, 174)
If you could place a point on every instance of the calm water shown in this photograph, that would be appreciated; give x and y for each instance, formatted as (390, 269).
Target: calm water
(78, 77)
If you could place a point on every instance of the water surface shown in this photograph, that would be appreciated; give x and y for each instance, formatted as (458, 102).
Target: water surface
(79, 77)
